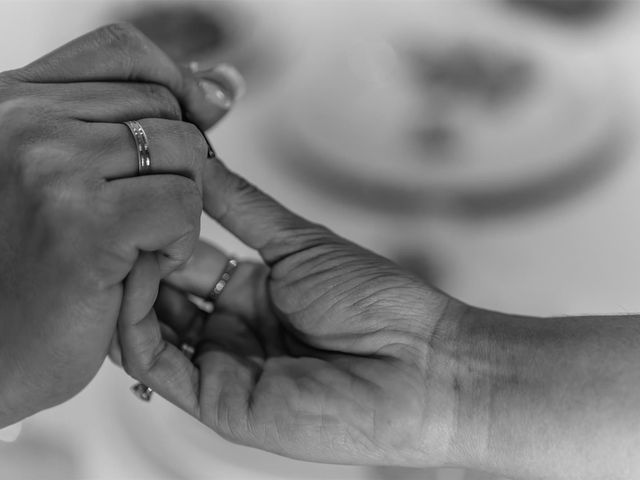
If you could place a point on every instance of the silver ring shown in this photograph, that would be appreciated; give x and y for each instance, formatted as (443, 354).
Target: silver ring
(188, 350)
(222, 281)
(142, 146)
(141, 391)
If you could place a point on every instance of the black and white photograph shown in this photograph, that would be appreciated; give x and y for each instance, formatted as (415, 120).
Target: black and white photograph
(319, 239)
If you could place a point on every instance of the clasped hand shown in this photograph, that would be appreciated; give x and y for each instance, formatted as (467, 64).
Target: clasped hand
(323, 351)
(74, 214)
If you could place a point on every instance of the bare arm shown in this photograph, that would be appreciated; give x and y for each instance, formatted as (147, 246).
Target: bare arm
(547, 397)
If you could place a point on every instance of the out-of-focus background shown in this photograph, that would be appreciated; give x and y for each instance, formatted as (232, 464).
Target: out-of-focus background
(489, 146)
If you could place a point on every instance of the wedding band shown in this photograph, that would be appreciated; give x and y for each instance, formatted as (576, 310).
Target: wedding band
(222, 281)
(142, 146)
(188, 350)
(141, 391)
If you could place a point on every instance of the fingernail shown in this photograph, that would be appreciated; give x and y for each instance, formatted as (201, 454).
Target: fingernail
(216, 94)
(223, 84)
(230, 77)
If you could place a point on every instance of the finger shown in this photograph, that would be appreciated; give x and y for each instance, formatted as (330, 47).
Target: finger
(115, 351)
(227, 385)
(174, 147)
(174, 309)
(146, 355)
(120, 52)
(154, 213)
(116, 102)
(169, 334)
(108, 102)
(218, 330)
(256, 218)
(243, 293)
(180, 315)
(232, 333)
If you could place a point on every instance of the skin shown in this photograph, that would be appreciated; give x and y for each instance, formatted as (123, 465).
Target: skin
(75, 216)
(327, 352)
(324, 351)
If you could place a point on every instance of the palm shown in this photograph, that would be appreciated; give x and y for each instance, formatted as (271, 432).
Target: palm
(324, 356)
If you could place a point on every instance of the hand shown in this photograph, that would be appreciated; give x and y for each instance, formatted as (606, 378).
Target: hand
(327, 352)
(75, 215)
(324, 352)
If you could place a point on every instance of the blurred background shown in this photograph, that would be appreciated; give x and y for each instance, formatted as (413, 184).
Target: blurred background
(488, 146)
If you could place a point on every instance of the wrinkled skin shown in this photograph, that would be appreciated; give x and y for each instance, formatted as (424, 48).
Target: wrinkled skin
(323, 352)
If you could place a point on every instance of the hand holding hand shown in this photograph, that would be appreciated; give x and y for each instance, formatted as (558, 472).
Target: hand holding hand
(323, 352)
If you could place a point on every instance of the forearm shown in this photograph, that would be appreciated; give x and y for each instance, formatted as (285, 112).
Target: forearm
(549, 398)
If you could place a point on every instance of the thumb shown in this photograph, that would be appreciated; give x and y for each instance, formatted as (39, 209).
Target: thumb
(221, 86)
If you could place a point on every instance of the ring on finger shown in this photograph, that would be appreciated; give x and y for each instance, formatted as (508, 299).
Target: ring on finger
(142, 146)
(223, 280)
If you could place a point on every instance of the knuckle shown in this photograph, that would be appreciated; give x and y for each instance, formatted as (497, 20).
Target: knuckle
(107, 215)
(129, 366)
(243, 192)
(123, 40)
(140, 359)
(300, 235)
(242, 189)
(193, 137)
(189, 200)
(167, 104)
(18, 115)
(25, 119)
(188, 139)
(111, 258)
(30, 141)
(121, 33)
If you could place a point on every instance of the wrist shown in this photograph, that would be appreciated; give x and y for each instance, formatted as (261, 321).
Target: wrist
(517, 393)
(474, 369)
(545, 397)
(491, 365)
(462, 362)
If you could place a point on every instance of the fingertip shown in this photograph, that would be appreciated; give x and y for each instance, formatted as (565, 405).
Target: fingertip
(228, 78)
(215, 94)
(217, 89)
